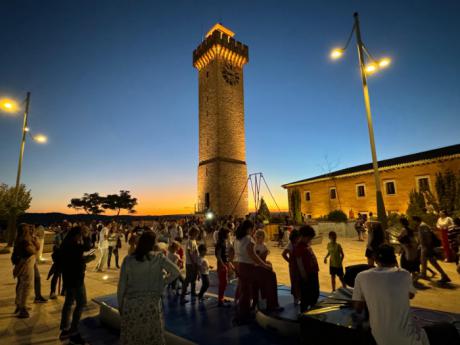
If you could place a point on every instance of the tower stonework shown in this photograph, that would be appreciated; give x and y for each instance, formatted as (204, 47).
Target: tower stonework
(222, 171)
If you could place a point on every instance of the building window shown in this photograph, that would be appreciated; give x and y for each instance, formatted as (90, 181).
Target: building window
(307, 196)
(390, 187)
(332, 193)
(423, 183)
(361, 190)
(207, 74)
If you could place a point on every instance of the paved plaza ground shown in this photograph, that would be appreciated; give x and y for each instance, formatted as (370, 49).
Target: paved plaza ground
(43, 326)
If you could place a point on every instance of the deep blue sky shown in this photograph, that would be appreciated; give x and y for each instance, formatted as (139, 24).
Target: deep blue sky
(113, 87)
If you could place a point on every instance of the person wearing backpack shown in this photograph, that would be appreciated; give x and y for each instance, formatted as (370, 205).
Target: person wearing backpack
(428, 242)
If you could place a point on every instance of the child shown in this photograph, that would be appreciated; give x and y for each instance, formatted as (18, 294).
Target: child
(175, 258)
(307, 265)
(334, 250)
(262, 252)
(260, 247)
(191, 265)
(288, 255)
(204, 271)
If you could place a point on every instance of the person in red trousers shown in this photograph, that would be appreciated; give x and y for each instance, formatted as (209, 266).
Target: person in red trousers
(223, 264)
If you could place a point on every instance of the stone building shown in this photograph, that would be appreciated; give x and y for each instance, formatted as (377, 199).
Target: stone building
(222, 171)
(353, 189)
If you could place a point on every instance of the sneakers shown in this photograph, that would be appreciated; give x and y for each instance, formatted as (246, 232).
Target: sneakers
(53, 295)
(77, 340)
(40, 299)
(23, 314)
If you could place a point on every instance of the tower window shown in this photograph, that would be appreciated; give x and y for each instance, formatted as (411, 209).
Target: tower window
(307, 196)
(207, 74)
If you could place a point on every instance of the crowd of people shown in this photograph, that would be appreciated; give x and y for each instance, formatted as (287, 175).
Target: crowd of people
(172, 254)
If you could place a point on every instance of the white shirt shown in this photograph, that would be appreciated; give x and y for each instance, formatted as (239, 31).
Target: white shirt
(103, 242)
(215, 236)
(204, 266)
(146, 276)
(241, 251)
(444, 223)
(386, 293)
(191, 252)
(175, 232)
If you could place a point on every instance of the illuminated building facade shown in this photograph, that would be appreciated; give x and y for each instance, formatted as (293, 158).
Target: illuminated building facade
(222, 171)
(353, 189)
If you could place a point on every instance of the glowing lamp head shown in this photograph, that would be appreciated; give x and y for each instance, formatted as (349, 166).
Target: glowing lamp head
(9, 105)
(40, 138)
(336, 53)
(209, 215)
(371, 68)
(385, 62)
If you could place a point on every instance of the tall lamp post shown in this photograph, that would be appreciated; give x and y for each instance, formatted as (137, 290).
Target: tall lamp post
(11, 106)
(368, 65)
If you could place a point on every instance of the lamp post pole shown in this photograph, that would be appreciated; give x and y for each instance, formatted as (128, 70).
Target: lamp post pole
(382, 217)
(12, 225)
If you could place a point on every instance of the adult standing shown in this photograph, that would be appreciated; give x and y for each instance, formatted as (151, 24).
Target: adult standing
(74, 245)
(359, 227)
(37, 280)
(140, 287)
(40, 234)
(428, 240)
(223, 263)
(246, 259)
(386, 291)
(103, 247)
(443, 224)
(114, 243)
(375, 238)
(24, 258)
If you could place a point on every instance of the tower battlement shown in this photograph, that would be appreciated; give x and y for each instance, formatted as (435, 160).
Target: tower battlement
(219, 43)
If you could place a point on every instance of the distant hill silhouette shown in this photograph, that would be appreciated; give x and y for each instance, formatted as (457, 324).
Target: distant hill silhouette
(55, 217)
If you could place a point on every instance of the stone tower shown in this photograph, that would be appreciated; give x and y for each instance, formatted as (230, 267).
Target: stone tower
(222, 171)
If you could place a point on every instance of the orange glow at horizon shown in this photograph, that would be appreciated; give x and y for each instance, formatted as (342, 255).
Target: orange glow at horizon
(153, 202)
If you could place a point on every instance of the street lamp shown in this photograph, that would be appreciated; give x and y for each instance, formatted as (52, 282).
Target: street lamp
(11, 106)
(368, 65)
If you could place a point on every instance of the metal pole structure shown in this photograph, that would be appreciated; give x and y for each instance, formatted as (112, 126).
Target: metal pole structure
(12, 230)
(382, 217)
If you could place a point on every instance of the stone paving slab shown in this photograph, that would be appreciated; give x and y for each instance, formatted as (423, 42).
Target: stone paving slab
(43, 326)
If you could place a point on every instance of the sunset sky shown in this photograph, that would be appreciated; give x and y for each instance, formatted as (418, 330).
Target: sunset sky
(114, 89)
